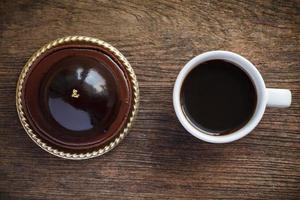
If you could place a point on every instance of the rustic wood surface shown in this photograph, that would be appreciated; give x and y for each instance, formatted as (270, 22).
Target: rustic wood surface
(158, 159)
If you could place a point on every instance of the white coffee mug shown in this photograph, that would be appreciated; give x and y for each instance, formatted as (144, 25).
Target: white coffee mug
(279, 98)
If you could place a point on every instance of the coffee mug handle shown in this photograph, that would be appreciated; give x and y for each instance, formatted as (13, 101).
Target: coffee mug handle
(279, 98)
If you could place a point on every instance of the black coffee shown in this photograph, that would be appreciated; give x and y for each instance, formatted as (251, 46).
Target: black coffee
(218, 97)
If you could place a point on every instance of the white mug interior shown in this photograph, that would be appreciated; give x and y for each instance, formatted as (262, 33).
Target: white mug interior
(249, 69)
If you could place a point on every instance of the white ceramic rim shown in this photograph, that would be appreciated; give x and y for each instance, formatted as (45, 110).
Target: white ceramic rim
(245, 65)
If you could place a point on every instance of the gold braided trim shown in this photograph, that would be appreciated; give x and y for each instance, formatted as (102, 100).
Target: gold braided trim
(26, 126)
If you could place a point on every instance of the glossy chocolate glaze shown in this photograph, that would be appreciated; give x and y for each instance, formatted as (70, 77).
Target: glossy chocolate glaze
(78, 97)
(81, 95)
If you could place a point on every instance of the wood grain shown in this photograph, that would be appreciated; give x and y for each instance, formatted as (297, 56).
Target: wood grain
(159, 159)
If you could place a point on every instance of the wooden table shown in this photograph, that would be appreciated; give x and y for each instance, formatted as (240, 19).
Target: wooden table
(158, 159)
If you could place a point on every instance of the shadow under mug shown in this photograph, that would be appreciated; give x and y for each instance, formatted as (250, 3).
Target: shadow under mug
(266, 97)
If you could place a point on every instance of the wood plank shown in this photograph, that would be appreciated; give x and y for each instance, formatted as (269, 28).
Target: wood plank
(158, 159)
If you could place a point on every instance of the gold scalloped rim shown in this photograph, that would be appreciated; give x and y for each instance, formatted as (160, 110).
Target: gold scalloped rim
(22, 117)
